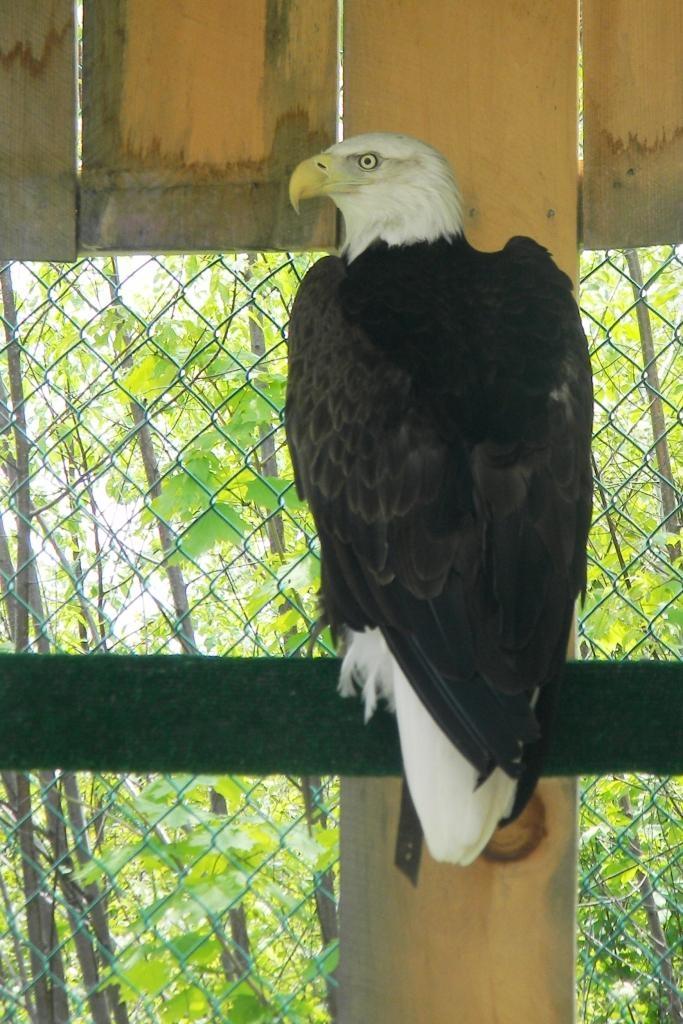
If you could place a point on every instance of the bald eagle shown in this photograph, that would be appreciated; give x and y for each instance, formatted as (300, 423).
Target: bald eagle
(438, 415)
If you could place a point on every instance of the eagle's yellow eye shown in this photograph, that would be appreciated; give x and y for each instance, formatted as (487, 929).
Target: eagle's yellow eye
(368, 161)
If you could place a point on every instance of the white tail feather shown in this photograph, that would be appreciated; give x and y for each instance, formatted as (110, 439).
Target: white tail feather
(457, 817)
(369, 665)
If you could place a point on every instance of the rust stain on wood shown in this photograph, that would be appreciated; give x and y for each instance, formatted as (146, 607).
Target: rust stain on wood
(38, 131)
(22, 52)
(634, 143)
(206, 107)
(633, 123)
(278, 27)
(293, 138)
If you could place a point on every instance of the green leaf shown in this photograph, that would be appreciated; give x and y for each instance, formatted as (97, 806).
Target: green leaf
(248, 1009)
(195, 947)
(220, 524)
(108, 863)
(151, 376)
(161, 791)
(181, 496)
(273, 491)
(190, 1004)
(230, 790)
(216, 895)
(328, 844)
(326, 963)
(301, 573)
(144, 969)
(300, 842)
(202, 465)
(208, 440)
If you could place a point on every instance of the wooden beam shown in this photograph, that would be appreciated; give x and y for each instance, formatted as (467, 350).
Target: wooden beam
(633, 123)
(195, 113)
(494, 87)
(37, 130)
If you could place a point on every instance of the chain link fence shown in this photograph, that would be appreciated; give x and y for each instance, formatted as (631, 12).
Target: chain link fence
(631, 854)
(149, 507)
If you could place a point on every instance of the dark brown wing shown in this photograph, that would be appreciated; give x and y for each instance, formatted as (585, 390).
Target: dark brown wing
(444, 454)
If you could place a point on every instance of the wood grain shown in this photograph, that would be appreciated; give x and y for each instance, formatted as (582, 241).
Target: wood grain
(489, 943)
(194, 115)
(37, 130)
(633, 123)
(494, 87)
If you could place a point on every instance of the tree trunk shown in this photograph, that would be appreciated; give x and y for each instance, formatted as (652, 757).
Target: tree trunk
(61, 865)
(94, 899)
(46, 959)
(325, 902)
(236, 961)
(20, 498)
(183, 625)
(660, 947)
(668, 492)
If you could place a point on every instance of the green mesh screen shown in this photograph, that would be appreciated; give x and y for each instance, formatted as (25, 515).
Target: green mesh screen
(148, 507)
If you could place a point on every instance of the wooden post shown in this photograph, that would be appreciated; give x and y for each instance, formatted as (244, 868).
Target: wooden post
(37, 130)
(493, 85)
(490, 943)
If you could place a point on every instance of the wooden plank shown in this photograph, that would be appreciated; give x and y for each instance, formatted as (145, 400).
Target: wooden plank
(492, 943)
(37, 130)
(488, 943)
(633, 123)
(195, 113)
(460, 76)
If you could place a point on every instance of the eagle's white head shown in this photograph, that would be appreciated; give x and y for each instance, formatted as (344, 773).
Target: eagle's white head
(388, 187)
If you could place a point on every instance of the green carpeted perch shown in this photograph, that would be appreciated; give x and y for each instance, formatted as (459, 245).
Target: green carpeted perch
(261, 716)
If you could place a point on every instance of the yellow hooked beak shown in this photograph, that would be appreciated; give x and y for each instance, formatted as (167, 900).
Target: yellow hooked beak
(317, 176)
